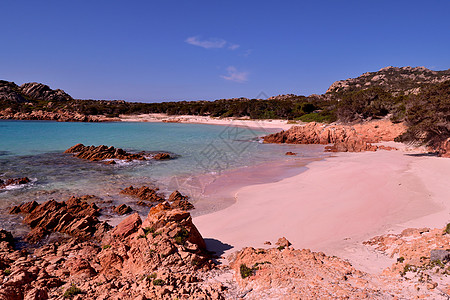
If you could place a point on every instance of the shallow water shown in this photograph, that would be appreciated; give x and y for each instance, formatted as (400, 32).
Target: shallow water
(204, 154)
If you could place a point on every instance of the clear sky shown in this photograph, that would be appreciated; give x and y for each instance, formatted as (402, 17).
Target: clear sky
(188, 50)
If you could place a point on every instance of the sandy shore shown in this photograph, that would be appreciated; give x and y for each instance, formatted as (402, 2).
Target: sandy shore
(336, 204)
(267, 125)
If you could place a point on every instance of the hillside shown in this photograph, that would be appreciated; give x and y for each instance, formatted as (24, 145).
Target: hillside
(404, 80)
(418, 96)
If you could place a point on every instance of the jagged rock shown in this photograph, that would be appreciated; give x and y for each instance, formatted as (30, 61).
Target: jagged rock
(123, 209)
(10, 92)
(74, 217)
(13, 181)
(127, 226)
(144, 193)
(290, 153)
(283, 242)
(346, 138)
(179, 201)
(102, 152)
(39, 91)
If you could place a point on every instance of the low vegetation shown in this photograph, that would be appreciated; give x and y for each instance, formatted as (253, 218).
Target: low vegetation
(417, 96)
(72, 291)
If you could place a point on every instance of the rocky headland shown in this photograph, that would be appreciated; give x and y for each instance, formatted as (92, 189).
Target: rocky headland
(345, 138)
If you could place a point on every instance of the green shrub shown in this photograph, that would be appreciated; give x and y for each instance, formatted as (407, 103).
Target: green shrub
(106, 246)
(7, 272)
(158, 282)
(447, 229)
(245, 271)
(181, 236)
(400, 259)
(151, 276)
(72, 291)
(148, 230)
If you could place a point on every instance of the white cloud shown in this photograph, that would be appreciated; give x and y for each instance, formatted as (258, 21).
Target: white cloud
(235, 75)
(207, 44)
(211, 43)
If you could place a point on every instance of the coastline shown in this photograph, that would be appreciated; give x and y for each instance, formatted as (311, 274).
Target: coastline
(337, 204)
(265, 125)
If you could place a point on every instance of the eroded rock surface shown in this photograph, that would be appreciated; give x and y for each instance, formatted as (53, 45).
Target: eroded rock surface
(162, 257)
(13, 181)
(346, 138)
(74, 217)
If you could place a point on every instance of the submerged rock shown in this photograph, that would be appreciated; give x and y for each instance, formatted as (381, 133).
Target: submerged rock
(13, 181)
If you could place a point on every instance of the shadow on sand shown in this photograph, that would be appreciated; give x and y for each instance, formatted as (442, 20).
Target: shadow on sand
(217, 247)
(424, 154)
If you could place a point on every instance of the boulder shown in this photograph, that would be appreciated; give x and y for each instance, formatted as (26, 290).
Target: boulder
(143, 193)
(439, 254)
(122, 209)
(127, 226)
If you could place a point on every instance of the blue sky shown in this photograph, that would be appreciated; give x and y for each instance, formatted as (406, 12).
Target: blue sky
(188, 50)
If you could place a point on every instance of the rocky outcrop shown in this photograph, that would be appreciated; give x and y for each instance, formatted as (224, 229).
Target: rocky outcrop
(39, 91)
(13, 181)
(150, 197)
(10, 92)
(163, 257)
(59, 115)
(286, 273)
(122, 209)
(98, 153)
(408, 80)
(74, 217)
(422, 257)
(144, 193)
(179, 201)
(346, 138)
(102, 152)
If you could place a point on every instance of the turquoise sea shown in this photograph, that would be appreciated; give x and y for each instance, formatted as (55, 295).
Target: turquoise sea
(203, 155)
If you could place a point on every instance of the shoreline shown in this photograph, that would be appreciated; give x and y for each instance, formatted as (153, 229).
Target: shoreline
(220, 192)
(335, 205)
(269, 126)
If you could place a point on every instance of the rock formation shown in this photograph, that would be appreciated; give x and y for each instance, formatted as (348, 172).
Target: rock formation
(346, 138)
(162, 257)
(13, 181)
(98, 153)
(59, 115)
(39, 91)
(150, 197)
(408, 80)
(74, 217)
(144, 194)
(177, 200)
